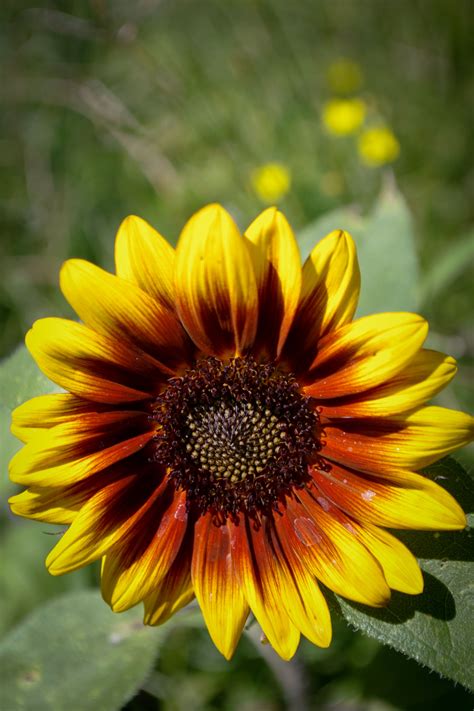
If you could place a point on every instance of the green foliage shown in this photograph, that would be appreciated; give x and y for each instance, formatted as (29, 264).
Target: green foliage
(74, 653)
(20, 380)
(456, 259)
(435, 628)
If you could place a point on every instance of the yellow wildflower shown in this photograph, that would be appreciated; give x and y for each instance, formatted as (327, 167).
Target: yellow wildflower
(343, 116)
(271, 182)
(378, 146)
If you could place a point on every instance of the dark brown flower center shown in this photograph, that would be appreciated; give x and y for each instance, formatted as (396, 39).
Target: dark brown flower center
(236, 436)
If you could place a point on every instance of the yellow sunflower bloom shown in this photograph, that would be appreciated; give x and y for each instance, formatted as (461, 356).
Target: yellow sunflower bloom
(229, 432)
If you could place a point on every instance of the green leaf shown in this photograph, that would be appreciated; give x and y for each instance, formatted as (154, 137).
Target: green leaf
(25, 581)
(74, 653)
(386, 250)
(434, 628)
(20, 380)
(457, 259)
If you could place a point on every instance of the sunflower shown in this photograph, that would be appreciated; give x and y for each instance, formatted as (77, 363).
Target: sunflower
(229, 432)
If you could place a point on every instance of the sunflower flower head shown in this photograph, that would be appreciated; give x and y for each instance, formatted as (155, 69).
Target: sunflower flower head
(228, 432)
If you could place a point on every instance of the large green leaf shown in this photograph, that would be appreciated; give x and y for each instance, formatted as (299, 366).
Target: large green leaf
(24, 580)
(457, 259)
(20, 379)
(386, 249)
(435, 628)
(74, 653)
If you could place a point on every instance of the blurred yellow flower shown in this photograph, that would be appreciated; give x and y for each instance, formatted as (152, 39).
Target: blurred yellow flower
(378, 146)
(344, 76)
(271, 182)
(343, 116)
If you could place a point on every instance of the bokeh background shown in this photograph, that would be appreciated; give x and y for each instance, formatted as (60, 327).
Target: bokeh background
(156, 107)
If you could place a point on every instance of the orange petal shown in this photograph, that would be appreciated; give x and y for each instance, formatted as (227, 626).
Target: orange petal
(60, 504)
(144, 257)
(276, 262)
(403, 500)
(399, 565)
(421, 380)
(215, 585)
(118, 309)
(101, 523)
(332, 553)
(216, 293)
(40, 413)
(132, 569)
(302, 598)
(404, 442)
(74, 450)
(364, 354)
(92, 366)
(49, 504)
(175, 590)
(264, 585)
(329, 295)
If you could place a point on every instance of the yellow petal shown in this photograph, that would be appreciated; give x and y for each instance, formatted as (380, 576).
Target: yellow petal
(261, 581)
(71, 451)
(276, 262)
(143, 556)
(102, 521)
(45, 505)
(404, 442)
(329, 295)
(60, 503)
(45, 411)
(144, 257)
(401, 500)
(92, 366)
(223, 605)
(399, 565)
(175, 590)
(333, 554)
(118, 309)
(421, 380)
(216, 293)
(365, 353)
(301, 596)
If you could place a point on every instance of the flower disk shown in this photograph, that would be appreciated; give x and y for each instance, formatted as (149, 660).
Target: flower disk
(228, 432)
(236, 437)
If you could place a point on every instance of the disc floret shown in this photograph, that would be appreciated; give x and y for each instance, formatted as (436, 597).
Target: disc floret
(237, 436)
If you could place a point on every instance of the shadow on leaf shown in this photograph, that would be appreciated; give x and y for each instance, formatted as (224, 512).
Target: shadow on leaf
(435, 601)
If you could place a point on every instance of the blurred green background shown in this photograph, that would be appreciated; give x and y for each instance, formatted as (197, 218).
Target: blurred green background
(158, 106)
